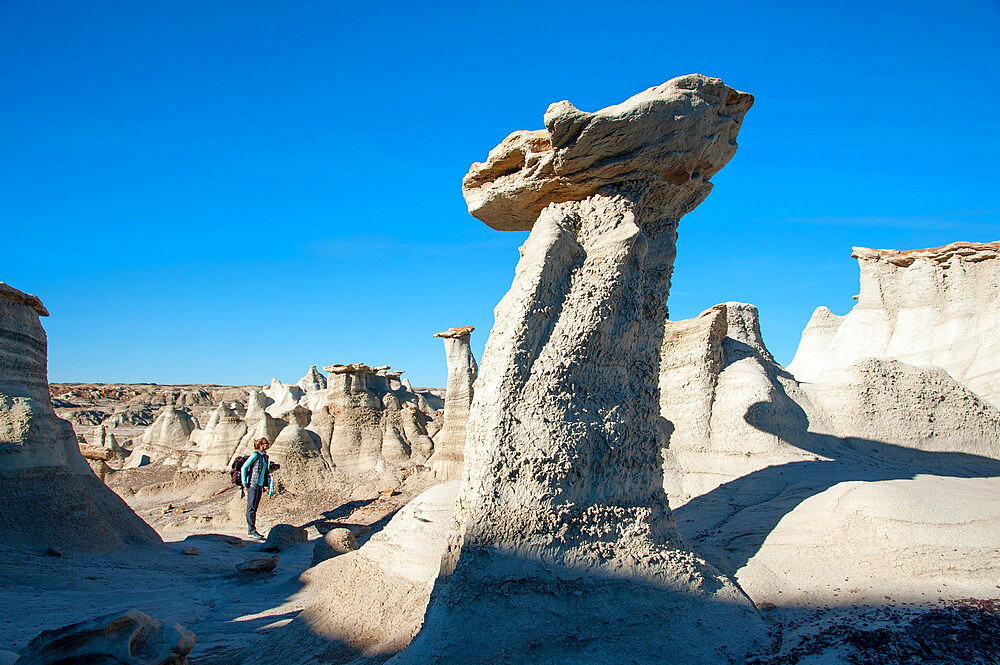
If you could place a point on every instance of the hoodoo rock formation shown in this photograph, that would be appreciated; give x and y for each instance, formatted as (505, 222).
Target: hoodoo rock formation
(165, 440)
(925, 307)
(713, 369)
(449, 442)
(374, 427)
(562, 513)
(44, 480)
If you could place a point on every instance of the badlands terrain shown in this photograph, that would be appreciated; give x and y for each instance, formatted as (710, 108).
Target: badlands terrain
(605, 486)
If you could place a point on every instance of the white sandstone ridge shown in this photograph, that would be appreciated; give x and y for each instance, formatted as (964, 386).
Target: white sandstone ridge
(449, 443)
(371, 600)
(925, 307)
(49, 496)
(805, 489)
(561, 512)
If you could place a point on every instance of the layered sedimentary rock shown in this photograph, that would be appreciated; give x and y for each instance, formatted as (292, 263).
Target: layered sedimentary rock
(562, 512)
(312, 381)
(219, 444)
(713, 369)
(373, 426)
(926, 307)
(301, 467)
(766, 475)
(44, 480)
(449, 442)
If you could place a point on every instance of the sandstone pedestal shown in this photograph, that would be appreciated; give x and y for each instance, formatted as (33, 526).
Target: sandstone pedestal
(565, 550)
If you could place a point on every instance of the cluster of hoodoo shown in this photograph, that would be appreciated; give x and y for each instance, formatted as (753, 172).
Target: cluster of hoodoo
(361, 419)
(44, 478)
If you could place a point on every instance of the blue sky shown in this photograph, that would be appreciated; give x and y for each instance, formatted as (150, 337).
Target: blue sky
(231, 191)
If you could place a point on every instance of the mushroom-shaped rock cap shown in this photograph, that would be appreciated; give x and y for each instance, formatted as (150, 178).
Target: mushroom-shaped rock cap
(461, 331)
(354, 368)
(8, 292)
(655, 136)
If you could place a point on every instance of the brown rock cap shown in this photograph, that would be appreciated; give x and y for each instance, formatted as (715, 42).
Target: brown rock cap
(461, 331)
(10, 293)
(645, 138)
(967, 251)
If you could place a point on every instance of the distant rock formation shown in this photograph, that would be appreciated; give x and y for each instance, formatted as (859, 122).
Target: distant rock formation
(372, 431)
(449, 442)
(561, 511)
(166, 440)
(220, 440)
(713, 368)
(49, 496)
(925, 307)
(768, 477)
(301, 467)
(312, 381)
(732, 410)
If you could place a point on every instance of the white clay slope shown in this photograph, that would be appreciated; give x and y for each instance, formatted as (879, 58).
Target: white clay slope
(926, 307)
(873, 484)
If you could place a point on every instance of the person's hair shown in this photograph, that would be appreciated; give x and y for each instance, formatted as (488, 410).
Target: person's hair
(260, 443)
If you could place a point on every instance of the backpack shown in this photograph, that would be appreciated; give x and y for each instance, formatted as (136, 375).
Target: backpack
(237, 469)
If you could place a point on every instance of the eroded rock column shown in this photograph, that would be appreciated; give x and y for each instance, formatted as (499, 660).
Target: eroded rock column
(48, 494)
(564, 549)
(449, 443)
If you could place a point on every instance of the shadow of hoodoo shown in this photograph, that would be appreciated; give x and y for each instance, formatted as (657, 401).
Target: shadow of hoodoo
(564, 548)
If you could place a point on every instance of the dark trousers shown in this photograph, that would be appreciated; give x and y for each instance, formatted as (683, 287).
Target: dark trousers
(253, 500)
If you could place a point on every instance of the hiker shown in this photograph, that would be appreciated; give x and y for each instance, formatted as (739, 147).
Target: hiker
(255, 474)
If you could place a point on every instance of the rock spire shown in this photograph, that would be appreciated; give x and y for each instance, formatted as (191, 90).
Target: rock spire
(449, 442)
(44, 480)
(561, 510)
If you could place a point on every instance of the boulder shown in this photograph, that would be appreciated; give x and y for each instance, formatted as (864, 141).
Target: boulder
(561, 513)
(132, 638)
(262, 565)
(334, 542)
(283, 536)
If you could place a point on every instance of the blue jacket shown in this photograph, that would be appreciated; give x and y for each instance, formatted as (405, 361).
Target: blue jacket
(264, 478)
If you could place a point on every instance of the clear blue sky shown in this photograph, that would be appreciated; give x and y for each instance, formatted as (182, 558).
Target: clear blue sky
(230, 191)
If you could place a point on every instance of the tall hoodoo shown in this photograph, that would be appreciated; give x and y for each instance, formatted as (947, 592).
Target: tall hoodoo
(926, 307)
(449, 443)
(43, 477)
(562, 512)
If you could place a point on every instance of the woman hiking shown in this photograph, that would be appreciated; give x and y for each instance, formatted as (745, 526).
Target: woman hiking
(255, 474)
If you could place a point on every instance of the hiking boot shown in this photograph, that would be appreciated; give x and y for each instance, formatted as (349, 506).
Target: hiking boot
(256, 536)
